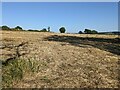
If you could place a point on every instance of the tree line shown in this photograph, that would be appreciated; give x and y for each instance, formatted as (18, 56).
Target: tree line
(18, 28)
(8, 28)
(86, 31)
(61, 30)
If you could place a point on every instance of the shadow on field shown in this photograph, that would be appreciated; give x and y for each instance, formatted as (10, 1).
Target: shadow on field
(110, 45)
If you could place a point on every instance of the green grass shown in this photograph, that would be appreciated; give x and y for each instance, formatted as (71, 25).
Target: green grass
(16, 69)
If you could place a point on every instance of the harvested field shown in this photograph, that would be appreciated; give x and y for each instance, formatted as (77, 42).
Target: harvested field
(59, 60)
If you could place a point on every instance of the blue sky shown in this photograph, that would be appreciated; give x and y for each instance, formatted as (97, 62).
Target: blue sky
(101, 16)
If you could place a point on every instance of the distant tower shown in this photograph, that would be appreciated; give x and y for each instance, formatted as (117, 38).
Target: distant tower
(48, 29)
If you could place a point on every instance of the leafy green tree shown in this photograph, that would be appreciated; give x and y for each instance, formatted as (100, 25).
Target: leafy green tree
(18, 28)
(62, 30)
(5, 28)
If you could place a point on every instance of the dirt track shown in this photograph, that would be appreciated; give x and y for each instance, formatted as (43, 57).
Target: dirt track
(70, 60)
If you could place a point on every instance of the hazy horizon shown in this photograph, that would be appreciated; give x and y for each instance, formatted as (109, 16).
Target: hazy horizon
(75, 17)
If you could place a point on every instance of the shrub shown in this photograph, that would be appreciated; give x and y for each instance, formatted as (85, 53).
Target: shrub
(44, 30)
(88, 31)
(33, 30)
(62, 30)
(94, 32)
(5, 28)
(80, 32)
(18, 28)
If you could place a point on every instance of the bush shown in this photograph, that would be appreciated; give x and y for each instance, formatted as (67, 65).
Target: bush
(5, 28)
(33, 30)
(94, 32)
(18, 28)
(62, 30)
(44, 30)
(80, 32)
(88, 31)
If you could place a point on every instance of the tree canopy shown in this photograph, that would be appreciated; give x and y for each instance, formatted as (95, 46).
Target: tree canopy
(62, 30)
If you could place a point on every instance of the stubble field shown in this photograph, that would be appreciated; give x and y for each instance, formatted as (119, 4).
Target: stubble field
(54, 60)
